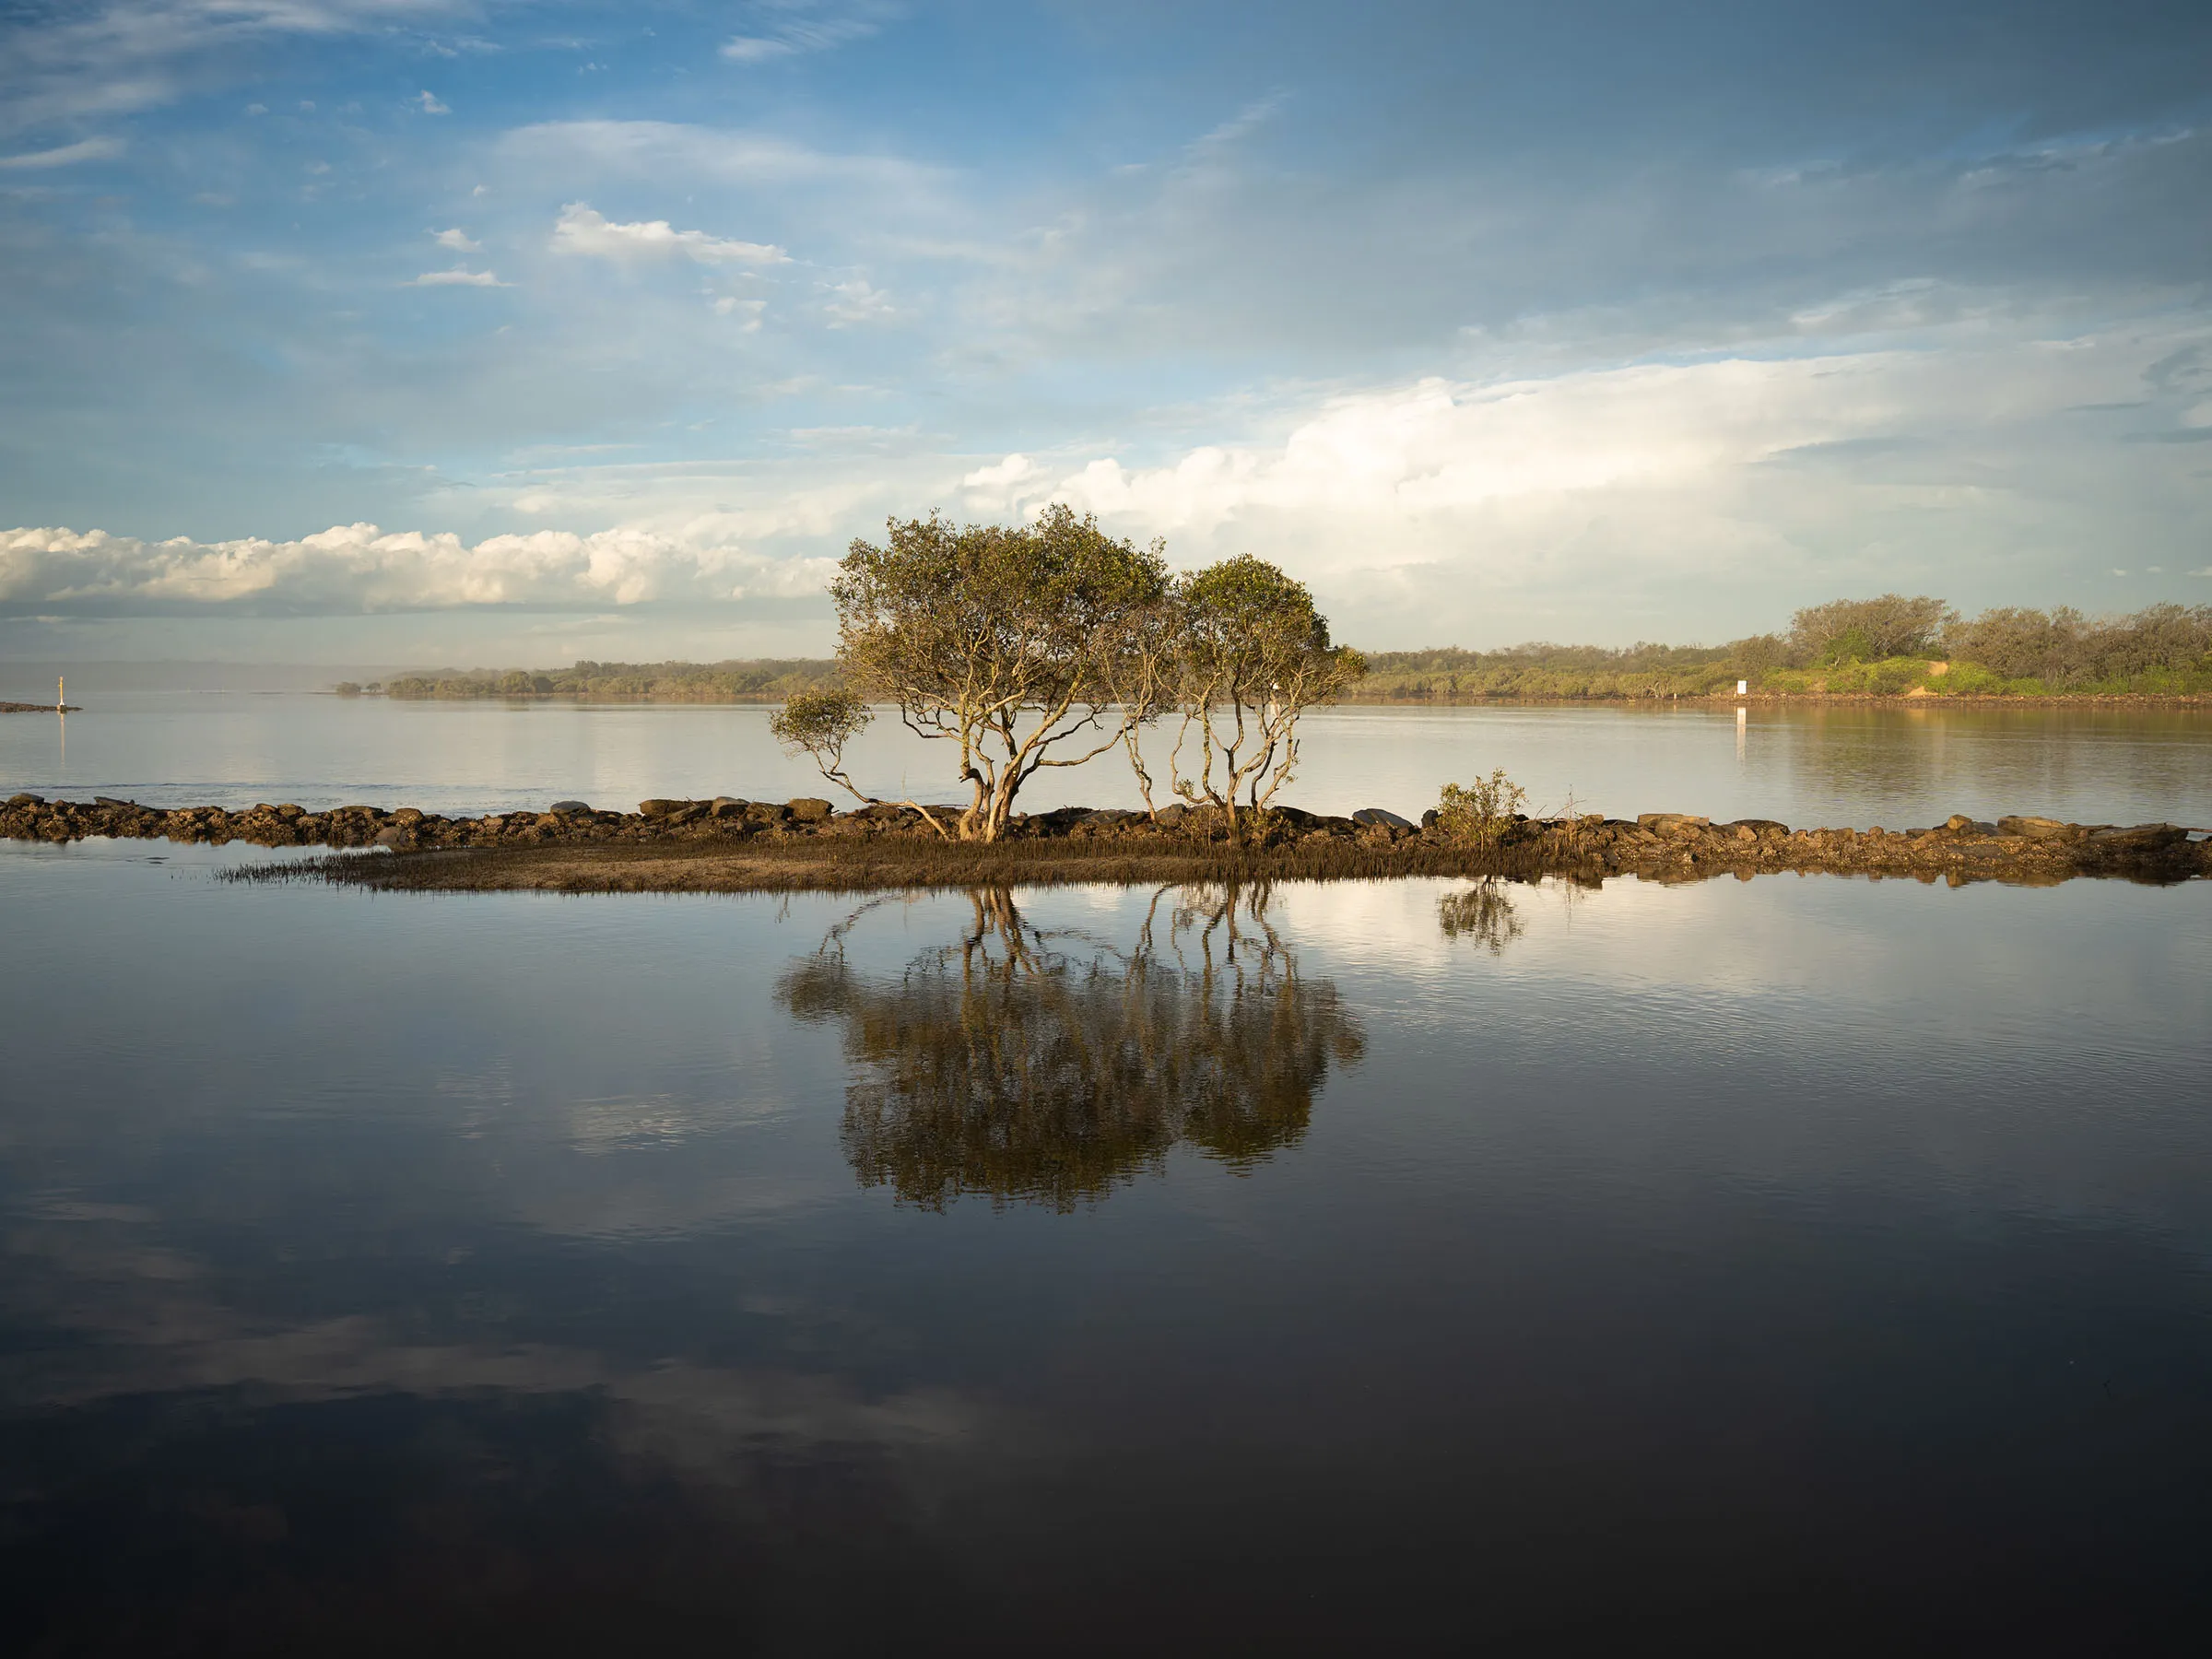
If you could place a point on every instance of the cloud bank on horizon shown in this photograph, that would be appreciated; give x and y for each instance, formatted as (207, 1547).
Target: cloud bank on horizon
(1489, 324)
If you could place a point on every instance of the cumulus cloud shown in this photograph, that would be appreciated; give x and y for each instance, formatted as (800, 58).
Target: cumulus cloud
(67, 155)
(580, 229)
(858, 301)
(428, 104)
(1002, 477)
(457, 239)
(359, 569)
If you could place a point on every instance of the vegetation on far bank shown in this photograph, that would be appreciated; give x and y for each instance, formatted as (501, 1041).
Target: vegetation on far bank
(2165, 651)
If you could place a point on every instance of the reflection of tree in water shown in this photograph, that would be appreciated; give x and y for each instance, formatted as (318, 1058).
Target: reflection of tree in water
(1483, 913)
(1048, 1067)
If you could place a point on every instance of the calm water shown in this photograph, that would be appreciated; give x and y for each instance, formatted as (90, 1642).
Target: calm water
(1839, 766)
(1798, 1264)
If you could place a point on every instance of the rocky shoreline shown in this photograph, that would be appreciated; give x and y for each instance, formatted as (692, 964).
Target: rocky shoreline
(728, 842)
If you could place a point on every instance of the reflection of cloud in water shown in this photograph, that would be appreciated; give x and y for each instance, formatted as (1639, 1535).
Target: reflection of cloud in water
(1051, 1067)
(199, 1459)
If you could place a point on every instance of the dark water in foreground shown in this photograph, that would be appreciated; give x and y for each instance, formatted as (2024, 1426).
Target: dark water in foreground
(1804, 1262)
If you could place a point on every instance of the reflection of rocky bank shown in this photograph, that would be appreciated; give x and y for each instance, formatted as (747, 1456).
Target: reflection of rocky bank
(1048, 1068)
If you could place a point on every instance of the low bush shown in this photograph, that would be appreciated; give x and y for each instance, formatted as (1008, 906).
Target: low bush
(1480, 813)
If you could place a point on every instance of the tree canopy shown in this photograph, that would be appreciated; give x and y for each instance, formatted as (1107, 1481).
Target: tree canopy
(1003, 641)
(1253, 655)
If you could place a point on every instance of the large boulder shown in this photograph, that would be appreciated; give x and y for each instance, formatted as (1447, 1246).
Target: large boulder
(808, 810)
(658, 809)
(567, 807)
(1671, 823)
(1371, 816)
(2038, 829)
(727, 806)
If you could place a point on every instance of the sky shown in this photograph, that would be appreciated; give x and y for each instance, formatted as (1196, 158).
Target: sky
(426, 332)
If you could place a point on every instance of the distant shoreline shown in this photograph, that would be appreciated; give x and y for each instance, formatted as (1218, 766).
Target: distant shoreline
(23, 708)
(1925, 699)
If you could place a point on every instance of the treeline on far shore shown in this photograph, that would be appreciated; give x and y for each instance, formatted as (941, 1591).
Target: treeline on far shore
(767, 680)
(1889, 646)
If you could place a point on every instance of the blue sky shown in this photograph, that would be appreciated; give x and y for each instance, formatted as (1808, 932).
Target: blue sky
(403, 330)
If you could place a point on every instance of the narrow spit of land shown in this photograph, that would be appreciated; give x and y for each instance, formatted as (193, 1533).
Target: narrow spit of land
(22, 708)
(732, 845)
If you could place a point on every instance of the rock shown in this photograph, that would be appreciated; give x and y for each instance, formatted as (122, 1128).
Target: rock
(767, 812)
(565, 806)
(393, 835)
(1368, 816)
(2135, 838)
(1671, 823)
(661, 809)
(2036, 829)
(1111, 815)
(111, 801)
(26, 799)
(726, 807)
(292, 814)
(1428, 819)
(807, 809)
(1172, 815)
(1960, 824)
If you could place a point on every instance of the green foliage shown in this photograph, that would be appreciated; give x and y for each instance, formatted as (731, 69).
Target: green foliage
(661, 682)
(819, 724)
(1480, 813)
(2166, 645)
(1003, 641)
(1251, 655)
(1860, 630)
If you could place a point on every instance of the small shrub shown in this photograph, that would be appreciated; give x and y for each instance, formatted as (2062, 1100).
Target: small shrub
(1481, 812)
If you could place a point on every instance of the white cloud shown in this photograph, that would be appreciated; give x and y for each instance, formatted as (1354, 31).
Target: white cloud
(428, 103)
(857, 301)
(794, 38)
(459, 276)
(84, 150)
(1001, 477)
(749, 313)
(356, 569)
(580, 229)
(137, 55)
(458, 240)
(660, 150)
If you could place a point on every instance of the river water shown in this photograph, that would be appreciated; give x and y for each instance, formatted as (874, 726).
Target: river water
(1793, 1263)
(1831, 766)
